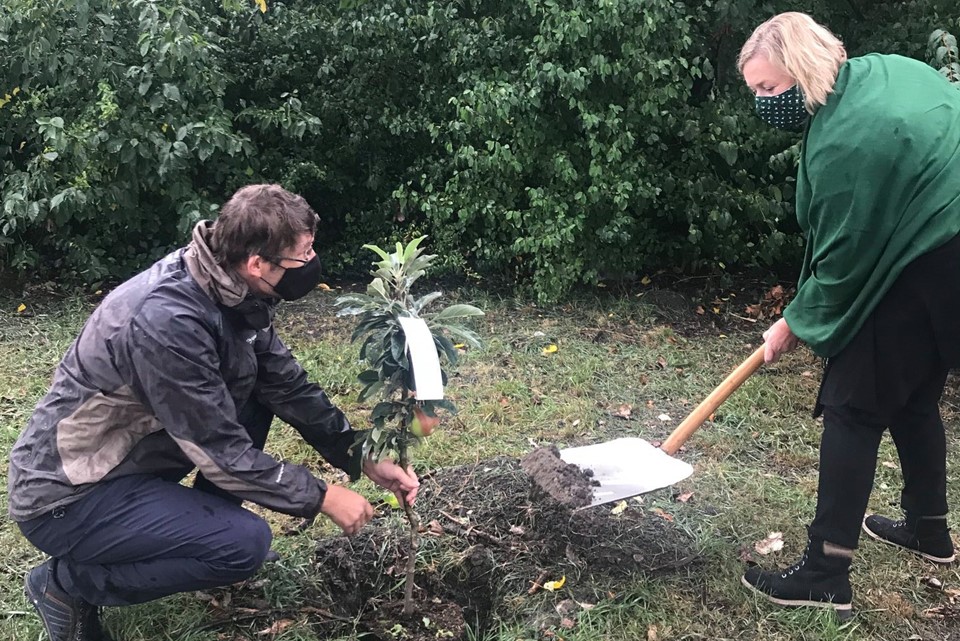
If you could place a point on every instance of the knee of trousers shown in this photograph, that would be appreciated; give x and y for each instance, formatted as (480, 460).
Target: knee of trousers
(244, 553)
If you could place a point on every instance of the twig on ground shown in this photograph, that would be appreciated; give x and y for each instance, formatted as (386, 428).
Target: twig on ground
(536, 585)
(469, 530)
(280, 612)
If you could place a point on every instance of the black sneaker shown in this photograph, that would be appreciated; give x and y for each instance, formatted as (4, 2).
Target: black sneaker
(930, 538)
(64, 617)
(816, 580)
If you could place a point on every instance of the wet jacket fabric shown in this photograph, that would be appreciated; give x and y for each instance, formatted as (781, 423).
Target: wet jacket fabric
(878, 186)
(153, 384)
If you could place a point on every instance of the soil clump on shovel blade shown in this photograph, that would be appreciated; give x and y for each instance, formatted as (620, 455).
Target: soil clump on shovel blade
(566, 483)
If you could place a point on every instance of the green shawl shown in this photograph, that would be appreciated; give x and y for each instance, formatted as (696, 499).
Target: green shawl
(878, 186)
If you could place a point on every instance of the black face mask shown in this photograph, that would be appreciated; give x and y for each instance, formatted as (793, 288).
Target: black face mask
(297, 282)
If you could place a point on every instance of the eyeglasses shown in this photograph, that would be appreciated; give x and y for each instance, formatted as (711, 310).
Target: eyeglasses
(276, 260)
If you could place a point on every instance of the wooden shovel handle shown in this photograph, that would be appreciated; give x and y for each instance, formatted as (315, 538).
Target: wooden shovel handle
(703, 411)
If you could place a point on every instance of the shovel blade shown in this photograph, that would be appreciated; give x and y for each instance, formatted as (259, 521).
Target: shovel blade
(626, 467)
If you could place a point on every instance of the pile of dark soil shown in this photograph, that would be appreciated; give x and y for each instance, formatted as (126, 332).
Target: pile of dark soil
(491, 537)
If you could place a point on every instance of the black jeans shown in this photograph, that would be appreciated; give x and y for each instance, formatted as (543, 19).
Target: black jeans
(891, 375)
(139, 538)
(848, 461)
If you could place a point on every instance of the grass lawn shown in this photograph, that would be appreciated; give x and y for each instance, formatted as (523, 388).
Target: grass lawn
(755, 469)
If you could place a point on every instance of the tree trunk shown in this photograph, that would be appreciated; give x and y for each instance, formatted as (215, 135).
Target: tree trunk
(414, 521)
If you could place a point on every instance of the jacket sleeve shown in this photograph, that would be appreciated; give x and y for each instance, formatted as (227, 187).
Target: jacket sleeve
(174, 366)
(282, 385)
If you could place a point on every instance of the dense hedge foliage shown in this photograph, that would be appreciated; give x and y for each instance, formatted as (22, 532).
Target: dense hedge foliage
(555, 141)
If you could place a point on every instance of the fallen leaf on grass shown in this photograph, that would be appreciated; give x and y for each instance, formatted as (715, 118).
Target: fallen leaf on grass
(323, 287)
(517, 530)
(567, 623)
(700, 310)
(942, 611)
(932, 582)
(624, 411)
(663, 515)
(645, 280)
(619, 508)
(276, 628)
(390, 499)
(553, 586)
(889, 464)
(21, 308)
(773, 543)
(662, 362)
(566, 607)
(652, 633)
(435, 528)
(683, 498)
(550, 349)
(665, 418)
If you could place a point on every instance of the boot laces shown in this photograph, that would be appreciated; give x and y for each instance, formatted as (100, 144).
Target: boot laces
(87, 623)
(796, 566)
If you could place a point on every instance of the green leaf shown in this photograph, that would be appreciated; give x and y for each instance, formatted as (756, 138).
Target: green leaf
(457, 311)
(57, 200)
(384, 255)
(369, 376)
(468, 336)
(411, 248)
(360, 300)
(171, 92)
(383, 410)
(377, 287)
(422, 302)
(369, 391)
(728, 151)
(445, 345)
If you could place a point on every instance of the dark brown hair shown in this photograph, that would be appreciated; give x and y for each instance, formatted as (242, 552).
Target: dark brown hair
(260, 220)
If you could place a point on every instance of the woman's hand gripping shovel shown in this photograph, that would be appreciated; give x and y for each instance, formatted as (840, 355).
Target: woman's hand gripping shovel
(626, 467)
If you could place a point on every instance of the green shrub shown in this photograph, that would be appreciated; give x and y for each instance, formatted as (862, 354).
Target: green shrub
(114, 138)
(557, 142)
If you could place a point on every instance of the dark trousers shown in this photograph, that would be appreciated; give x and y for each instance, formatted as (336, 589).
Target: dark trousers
(891, 375)
(139, 538)
(848, 462)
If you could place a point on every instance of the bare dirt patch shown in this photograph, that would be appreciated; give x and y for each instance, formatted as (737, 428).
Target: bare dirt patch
(491, 539)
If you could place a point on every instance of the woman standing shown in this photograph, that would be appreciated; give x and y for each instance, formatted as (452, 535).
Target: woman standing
(878, 197)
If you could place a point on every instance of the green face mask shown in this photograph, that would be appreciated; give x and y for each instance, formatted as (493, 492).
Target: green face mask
(785, 110)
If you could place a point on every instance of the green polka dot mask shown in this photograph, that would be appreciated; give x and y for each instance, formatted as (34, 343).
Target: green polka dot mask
(785, 110)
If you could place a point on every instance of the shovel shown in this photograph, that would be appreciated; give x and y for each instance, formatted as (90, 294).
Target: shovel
(625, 467)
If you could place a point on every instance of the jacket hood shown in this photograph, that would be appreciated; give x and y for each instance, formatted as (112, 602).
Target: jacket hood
(224, 286)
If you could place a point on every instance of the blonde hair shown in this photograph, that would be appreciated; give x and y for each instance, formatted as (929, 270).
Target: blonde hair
(802, 47)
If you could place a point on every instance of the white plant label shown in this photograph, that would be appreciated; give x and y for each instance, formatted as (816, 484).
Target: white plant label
(423, 358)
